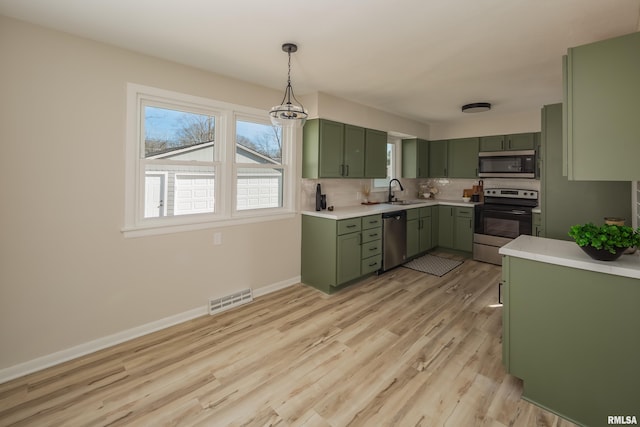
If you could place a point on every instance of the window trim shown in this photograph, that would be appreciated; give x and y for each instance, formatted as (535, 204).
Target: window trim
(225, 214)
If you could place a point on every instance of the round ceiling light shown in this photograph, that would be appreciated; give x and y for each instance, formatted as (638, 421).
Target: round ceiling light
(476, 107)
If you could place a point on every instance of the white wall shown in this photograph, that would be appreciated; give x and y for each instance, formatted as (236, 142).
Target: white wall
(68, 277)
(483, 124)
(69, 281)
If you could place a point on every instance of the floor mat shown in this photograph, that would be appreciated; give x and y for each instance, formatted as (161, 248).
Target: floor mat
(432, 264)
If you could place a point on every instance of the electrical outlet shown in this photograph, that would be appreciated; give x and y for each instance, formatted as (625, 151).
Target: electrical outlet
(217, 238)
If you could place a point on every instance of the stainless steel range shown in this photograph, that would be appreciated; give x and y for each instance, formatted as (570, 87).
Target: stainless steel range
(505, 214)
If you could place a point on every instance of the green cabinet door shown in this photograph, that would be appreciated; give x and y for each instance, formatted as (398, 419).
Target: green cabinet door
(375, 160)
(353, 155)
(415, 158)
(521, 141)
(413, 237)
(463, 233)
(438, 159)
(349, 259)
(602, 93)
(446, 223)
(426, 241)
(463, 158)
(322, 149)
(492, 143)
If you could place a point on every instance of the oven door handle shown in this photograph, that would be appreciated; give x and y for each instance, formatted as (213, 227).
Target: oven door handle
(518, 212)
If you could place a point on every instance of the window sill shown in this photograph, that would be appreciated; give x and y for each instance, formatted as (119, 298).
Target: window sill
(157, 229)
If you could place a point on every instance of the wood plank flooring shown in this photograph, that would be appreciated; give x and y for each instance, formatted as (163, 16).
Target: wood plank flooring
(400, 349)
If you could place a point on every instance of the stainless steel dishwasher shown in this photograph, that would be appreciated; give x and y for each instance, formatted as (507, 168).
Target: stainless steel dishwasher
(394, 239)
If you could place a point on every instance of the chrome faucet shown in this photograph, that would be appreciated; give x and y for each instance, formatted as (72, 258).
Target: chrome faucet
(390, 193)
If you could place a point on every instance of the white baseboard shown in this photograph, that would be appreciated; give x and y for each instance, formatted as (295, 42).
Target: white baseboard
(275, 287)
(16, 371)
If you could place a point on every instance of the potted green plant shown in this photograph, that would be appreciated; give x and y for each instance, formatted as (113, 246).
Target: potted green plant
(606, 242)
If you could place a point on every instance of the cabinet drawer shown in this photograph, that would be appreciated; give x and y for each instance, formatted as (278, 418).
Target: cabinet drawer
(348, 226)
(371, 235)
(371, 221)
(425, 212)
(371, 248)
(413, 214)
(464, 212)
(371, 264)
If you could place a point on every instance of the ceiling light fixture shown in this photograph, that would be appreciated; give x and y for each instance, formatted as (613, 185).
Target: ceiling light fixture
(288, 114)
(476, 107)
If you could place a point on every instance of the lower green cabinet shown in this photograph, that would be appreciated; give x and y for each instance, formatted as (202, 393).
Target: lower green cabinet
(337, 252)
(419, 231)
(455, 227)
(348, 259)
(571, 336)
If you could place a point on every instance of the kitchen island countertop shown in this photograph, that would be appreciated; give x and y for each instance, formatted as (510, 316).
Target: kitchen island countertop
(347, 212)
(569, 254)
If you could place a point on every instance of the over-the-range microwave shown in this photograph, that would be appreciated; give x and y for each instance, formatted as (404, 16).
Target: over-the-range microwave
(507, 164)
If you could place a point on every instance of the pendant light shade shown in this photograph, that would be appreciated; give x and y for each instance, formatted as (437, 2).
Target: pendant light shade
(289, 114)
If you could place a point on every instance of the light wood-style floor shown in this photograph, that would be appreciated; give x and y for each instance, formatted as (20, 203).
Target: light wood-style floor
(400, 349)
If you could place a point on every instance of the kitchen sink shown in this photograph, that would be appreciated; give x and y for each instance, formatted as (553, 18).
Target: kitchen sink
(405, 202)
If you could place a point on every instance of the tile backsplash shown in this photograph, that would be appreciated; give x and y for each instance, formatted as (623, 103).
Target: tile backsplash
(349, 192)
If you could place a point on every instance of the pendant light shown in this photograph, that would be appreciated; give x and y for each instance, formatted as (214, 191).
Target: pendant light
(288, 114)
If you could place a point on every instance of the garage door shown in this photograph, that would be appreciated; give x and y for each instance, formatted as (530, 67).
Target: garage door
(194, 194)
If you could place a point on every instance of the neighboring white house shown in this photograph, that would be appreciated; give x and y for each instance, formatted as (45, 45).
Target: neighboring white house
(184, 189)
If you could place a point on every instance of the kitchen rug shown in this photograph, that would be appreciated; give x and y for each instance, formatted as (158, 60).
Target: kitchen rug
(432, 264)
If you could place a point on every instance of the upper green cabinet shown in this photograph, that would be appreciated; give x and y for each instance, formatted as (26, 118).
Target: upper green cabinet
(415, 158)
(602, 89)
(375, 159)
(513, 142)
(337, 150)
(454, 158)
(438, 159)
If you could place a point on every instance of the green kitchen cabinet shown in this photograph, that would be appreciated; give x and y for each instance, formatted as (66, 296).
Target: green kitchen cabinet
(336, 253)
(413, 232)
(354, 152)
(463, 158)
(571, 336)
(455, 227)
(512, 142)
(371, 248)
(348, 259)
(602, 89)
(454, 158)
(566, 202)
(419, 231)
(438, 158)
(446, 225)
(322, 149)
(463, 233)
(375, 159)
(415, 158)
(337, 150)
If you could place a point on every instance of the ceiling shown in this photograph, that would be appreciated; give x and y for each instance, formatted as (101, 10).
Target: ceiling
(420, 59)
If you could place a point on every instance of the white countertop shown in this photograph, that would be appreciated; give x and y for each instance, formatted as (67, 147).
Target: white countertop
(537, 209)
(569, 254)
(363, 210)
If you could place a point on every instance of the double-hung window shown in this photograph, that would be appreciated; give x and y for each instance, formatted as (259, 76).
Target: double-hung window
(193, 162)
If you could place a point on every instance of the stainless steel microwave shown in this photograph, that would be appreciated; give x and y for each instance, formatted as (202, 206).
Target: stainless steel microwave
(507, 164)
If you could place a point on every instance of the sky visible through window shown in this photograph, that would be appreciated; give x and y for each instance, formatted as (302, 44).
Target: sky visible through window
(165, 124)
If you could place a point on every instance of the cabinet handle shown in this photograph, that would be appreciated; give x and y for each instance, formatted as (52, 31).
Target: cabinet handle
(371, 265)
(351, 226)
(373, 235)
(445, 171)
(347, 174)
(373, 249)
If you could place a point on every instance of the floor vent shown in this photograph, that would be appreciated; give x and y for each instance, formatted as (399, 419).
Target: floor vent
(218, 305)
